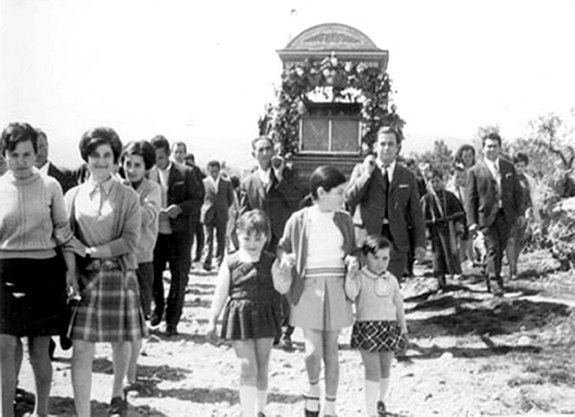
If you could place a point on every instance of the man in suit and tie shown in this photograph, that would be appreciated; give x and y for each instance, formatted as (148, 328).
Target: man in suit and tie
(198, 232)
(181, 195)
(217, 201)
(272, 189)
(387, 196)
(494, 204)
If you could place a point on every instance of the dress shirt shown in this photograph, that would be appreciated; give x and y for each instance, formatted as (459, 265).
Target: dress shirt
(390, 169)
(164, 223)
(265, 175)
(493, 167)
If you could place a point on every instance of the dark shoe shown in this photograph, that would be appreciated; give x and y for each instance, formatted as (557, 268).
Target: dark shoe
(51, 349)
(207, 267)
(171, 331)
(260, 414)
(65, 342)
(309, 413)
(381, 409)
(118, 407)
(155, 320)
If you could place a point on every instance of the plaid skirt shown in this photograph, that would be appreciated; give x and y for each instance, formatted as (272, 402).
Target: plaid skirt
(108, 311)
(378, 336)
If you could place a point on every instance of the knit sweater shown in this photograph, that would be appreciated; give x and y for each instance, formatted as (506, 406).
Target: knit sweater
(33, 219)
(295, 240)
(150, 202)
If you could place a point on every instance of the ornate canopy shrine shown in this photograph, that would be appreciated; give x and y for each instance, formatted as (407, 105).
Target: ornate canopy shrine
(333, 99)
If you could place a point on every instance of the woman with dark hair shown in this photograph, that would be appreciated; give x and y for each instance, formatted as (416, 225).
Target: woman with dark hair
(137, 159)
(466, 155)
(106, 219)
(318, 243)
(33, 274)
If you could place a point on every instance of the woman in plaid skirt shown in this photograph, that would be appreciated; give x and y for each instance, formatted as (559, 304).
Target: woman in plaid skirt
(106, 219)
(380, 328)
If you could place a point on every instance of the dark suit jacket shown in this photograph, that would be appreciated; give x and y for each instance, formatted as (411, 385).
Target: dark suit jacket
(279, 201)
(404, 209)
(184, 191)
(217, 202)
(482, 197)
(66, 181)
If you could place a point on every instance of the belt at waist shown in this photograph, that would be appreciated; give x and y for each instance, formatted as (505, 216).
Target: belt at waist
(102, 263)
(261, 297)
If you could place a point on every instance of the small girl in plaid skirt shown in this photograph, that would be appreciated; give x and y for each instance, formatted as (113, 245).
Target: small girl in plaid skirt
(380, 329)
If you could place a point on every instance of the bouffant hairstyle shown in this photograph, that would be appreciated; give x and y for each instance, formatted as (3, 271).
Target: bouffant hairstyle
(100, 136)
(16, 133)
(373, 243)
(142, 148)
(464, 148)
(254, 221)
(326, 177)
(256, 140)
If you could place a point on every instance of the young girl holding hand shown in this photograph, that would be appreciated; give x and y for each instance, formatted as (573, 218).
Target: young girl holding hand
(318, 242)
(252, 315)
(380, 328)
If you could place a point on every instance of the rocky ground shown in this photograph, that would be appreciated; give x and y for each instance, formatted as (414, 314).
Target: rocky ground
(470, 354)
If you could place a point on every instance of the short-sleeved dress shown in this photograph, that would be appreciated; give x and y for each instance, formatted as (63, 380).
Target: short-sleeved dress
(253, 308)
(107, 216)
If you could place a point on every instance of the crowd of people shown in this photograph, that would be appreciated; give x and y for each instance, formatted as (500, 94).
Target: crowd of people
(83, 254)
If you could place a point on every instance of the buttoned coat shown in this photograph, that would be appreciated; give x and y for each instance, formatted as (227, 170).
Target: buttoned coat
(483, 194)
(404, 209)
(185, 192)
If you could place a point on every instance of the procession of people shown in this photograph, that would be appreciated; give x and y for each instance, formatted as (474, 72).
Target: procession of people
(84, 255)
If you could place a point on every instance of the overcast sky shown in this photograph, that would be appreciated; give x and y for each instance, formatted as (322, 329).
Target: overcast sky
(203, 73)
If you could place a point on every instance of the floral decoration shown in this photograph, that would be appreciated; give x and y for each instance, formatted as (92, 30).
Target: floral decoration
(346, 82)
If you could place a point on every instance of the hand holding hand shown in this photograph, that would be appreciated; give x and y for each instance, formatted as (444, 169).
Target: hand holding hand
(288, 261)
(352, 264)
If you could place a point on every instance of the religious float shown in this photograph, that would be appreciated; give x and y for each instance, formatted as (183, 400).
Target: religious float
(335, 94)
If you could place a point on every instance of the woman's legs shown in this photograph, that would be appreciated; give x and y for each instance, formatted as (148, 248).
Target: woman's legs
(38, 348)
(313, 356)
(7, 373)
(371, 366)
(133, 364)
(246, 353)
(263, 351)
(120, 358)
(82, 357)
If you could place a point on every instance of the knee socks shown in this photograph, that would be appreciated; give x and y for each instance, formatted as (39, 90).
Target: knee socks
(383, 388)
(248, 396)
(261, 401)
(371, 397)
(329, 406)
(312, 396)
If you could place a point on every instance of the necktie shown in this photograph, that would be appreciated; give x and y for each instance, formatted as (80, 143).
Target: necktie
(386, 190)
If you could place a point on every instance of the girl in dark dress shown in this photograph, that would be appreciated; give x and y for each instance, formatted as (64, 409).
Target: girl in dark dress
(252, 314)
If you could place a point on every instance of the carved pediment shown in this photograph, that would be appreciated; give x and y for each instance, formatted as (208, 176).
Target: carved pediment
(331, 37)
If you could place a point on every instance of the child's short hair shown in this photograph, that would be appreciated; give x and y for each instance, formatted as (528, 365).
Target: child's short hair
(373, 243)
(326, 177)
(254, 221)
